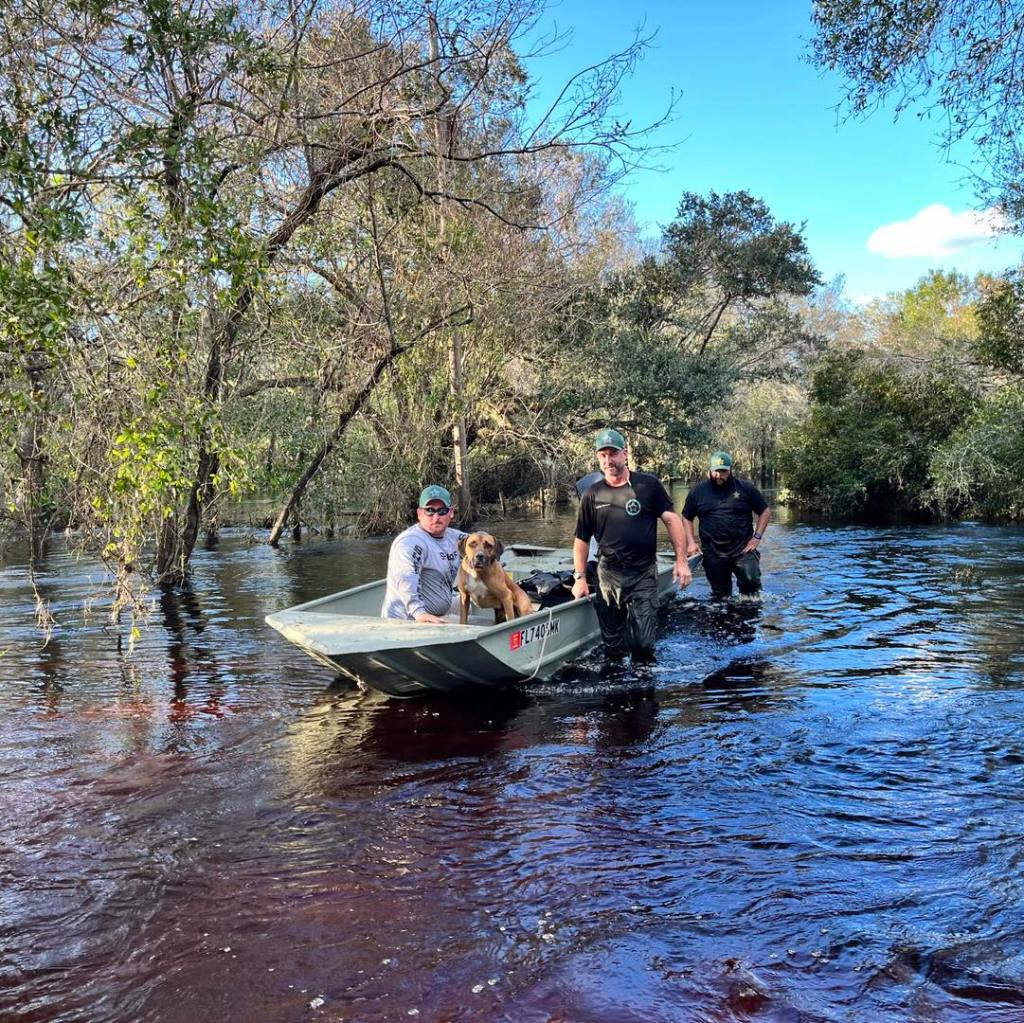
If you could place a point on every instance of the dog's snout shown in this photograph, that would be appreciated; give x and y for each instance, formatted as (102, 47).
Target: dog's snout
(481, 559)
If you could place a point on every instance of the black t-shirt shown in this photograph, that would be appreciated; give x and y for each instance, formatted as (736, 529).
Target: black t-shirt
(725, 515)
(624, 519)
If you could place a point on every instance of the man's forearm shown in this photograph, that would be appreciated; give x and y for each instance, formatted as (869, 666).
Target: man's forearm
(676, 533)
(580, 550)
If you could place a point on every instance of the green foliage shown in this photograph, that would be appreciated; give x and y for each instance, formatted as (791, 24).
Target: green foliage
(733, 242)
(661, 346)
(866, 444)
(979, 470)
(615, 372)
(959, 58)
(238, 245)
(1001, 325)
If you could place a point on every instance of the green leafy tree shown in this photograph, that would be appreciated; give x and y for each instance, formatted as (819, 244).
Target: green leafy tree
(660, 347)
(219, 158)
(866, 444)
(1000, 314)
(43, 144)
(961, 58)
(979, 470)
(727, 251)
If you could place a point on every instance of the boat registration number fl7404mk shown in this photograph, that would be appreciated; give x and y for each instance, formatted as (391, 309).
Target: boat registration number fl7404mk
(524, 637)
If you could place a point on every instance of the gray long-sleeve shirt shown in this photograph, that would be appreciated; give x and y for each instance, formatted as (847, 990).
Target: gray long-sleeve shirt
(422, 571)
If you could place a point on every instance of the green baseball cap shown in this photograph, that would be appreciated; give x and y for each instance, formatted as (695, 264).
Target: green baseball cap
(435, 493)
(721, 460)
(610, 439)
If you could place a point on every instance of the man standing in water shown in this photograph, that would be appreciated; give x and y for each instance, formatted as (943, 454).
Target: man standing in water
(724, 505)
(621, 510)
(424, 562)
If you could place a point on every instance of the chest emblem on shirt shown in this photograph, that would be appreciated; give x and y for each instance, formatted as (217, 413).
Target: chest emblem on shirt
(632, 506)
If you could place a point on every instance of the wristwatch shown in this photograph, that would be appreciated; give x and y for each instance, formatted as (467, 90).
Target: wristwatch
(579, 575)
(758, 536)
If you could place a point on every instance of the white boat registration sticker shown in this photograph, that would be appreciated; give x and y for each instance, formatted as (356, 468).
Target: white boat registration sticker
(524, 637)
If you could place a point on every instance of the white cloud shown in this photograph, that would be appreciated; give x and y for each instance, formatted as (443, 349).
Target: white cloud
(936, 231)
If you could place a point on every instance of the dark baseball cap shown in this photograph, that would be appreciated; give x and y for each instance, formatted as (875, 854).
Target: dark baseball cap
(609, 439)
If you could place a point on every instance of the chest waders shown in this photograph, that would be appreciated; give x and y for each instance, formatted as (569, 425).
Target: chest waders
(626, 603)
(719, 572)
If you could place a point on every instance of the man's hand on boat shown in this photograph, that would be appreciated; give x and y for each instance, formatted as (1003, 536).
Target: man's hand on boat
(681, 571)
(430, 619)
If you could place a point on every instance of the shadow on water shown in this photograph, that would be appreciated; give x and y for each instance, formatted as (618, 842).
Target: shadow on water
(734, 621)
(749, 686)
(439, 729)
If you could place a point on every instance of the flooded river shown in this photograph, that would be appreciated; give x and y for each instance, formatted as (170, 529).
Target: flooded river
(811, 809)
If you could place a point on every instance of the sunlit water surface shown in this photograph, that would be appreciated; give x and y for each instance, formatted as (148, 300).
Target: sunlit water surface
(809, 809)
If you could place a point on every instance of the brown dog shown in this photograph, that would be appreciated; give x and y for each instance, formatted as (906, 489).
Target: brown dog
(484, 580)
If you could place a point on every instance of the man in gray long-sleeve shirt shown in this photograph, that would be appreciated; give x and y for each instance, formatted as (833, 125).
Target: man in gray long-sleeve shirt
(424, 562)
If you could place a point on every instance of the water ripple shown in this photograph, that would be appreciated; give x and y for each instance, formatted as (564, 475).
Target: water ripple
(809, 809)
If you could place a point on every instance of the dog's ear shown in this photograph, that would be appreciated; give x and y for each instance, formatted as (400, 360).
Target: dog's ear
(499, 548)
(462, 545)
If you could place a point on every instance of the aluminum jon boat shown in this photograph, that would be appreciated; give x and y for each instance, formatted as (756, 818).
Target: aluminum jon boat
(346, 633)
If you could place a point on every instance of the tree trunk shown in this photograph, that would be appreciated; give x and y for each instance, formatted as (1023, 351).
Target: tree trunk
(32, 458)
(340, 168)
(459, 447)
(345, 417)
(30, 455)
(176, 544)
(443, 135)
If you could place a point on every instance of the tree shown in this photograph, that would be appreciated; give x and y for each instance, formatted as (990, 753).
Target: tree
(1000, 317)
(751, 427)
(41, 214)
(931, 327)
(730, 249)
(217, 158)
(979, 470)
(963, 58)
(659, 347)
(885, 400)
(865, 446)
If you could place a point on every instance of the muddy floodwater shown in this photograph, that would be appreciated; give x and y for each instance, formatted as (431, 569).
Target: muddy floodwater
(810, 809)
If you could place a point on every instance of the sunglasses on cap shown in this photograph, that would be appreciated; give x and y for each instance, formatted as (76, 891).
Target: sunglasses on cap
(435, 511)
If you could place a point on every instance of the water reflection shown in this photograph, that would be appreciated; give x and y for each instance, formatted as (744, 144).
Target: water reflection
(625, 717)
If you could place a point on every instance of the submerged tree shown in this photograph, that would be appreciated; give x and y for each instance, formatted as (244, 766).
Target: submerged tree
(980, 468)
(865, 446)
(880, 408)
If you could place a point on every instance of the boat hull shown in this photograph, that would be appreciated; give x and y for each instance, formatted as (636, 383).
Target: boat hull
(344, 632)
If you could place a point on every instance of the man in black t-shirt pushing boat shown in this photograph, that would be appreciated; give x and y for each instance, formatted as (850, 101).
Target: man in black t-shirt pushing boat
(621, 510)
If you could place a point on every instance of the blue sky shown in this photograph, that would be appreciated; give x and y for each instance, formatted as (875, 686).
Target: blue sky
(753, 115)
